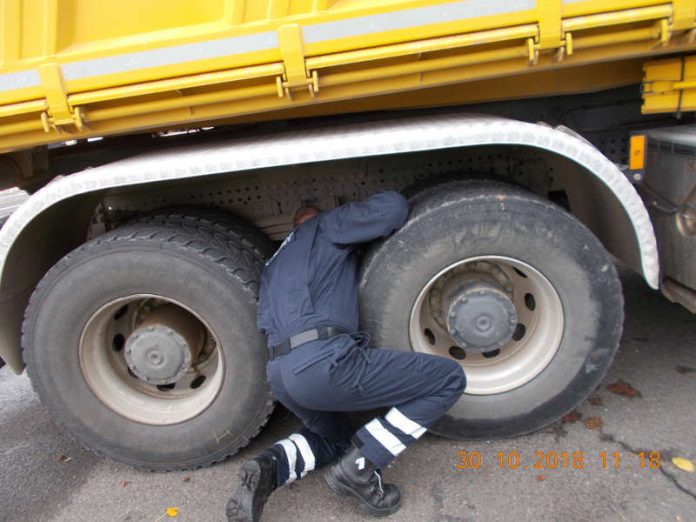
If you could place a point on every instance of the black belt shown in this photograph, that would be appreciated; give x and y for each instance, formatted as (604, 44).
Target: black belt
(315, 334)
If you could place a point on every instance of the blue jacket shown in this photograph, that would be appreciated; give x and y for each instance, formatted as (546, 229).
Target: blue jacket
(312, 280)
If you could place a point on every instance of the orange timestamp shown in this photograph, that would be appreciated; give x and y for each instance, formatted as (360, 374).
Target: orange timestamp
(550, 460)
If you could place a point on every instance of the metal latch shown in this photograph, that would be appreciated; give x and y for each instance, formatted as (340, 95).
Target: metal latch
(296, 74)
(59, 113)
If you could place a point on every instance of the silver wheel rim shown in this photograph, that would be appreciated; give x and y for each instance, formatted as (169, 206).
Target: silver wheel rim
(521, 358)
(104, 367)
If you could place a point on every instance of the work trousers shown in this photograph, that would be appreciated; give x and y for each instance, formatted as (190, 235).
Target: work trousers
(321, 380)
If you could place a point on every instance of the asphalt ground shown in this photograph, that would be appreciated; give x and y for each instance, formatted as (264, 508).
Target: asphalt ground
(47, 477)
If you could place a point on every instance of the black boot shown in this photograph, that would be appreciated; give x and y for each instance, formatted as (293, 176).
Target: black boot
(257, 482)
(357, 477)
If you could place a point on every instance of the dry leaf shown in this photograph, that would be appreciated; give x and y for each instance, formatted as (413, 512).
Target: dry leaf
(186, 479)
(124, 483)
(596, 400)
(572, 417)
(541, 478)
(683, 464)
(172, 512)
(593, 423)
(621, 387)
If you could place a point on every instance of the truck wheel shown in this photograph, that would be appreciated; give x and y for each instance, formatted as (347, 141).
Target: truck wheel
(217, 221)
(142, 345)
(514, 288)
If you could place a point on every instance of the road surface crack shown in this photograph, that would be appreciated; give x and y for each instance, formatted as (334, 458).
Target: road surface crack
(611, 438)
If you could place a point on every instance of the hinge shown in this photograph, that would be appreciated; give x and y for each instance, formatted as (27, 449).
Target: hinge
(295, 73)
(59, 113)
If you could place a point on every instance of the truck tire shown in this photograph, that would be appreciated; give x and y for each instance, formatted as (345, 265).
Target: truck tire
(217, 221)
(517, 290)
(142, 345)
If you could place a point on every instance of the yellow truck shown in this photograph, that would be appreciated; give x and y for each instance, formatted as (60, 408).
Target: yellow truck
(166, 144)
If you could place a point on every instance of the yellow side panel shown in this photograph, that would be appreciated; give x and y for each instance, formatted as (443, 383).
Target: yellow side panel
(80, 68)
(84, 21)
(669, 85)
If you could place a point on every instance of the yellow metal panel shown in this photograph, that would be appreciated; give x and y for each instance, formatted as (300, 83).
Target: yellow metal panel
(128, 65)
(602, 6)
(669, 85)
(684, 14)
(50, 25)
(31, 29)
(10, 13)
(88, 21)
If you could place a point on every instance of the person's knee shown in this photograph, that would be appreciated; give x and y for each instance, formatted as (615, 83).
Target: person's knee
(456, 380)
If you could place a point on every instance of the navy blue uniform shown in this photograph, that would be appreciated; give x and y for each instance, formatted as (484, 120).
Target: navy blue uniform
(312, 281)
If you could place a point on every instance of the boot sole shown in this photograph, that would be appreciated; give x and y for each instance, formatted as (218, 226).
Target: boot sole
(342, 490)
(240, 506)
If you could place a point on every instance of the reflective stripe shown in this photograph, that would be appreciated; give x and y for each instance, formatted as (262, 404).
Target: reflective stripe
(282, 245)
(358, 26)
(19, 80)
(171, 55)
(291, 453)
(403, 423)
(385, 437)
(305, 451)
(409, 18)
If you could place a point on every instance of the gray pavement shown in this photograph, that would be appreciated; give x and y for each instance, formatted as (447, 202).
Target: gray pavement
(47, 477)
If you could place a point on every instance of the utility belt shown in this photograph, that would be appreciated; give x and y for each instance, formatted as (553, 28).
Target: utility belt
(315, 334)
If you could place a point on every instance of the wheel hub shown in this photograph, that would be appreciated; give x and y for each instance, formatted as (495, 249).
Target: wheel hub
(480, 316)
(163, 348)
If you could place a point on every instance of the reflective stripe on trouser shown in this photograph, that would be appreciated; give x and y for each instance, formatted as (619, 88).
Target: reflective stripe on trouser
(384, 438)
(302, 452)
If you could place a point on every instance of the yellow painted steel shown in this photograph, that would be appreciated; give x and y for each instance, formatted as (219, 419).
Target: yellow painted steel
(80, 68)
(669, 85)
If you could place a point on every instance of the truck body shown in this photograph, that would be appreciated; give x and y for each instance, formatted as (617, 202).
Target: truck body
(523, 131)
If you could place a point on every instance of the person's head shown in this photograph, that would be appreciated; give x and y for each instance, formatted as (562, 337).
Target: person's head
(305, 212)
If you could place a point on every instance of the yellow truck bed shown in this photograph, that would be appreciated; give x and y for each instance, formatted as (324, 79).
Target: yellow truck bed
(80, 68)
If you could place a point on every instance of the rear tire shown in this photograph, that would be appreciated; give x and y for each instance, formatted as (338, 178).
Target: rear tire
(106, 288)
(216, 221)
(462, 228)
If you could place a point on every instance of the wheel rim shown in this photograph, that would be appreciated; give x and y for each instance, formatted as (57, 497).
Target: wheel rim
(506, 359)
(133, 356)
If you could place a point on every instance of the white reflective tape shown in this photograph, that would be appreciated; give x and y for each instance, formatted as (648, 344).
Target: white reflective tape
(291, 453)
(305, 451)
(360, 462)
(403, 423)
(19, 80)
(177, 54)
(385, 437)
(409, 18)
